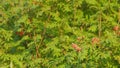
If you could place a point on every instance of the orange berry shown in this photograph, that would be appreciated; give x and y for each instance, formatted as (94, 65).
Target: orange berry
(74, 45)
(21, 33)
(78, 49)
(116, 28)
(95, 40)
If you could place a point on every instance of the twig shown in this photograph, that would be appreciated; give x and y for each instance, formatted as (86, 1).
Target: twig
(99, 24)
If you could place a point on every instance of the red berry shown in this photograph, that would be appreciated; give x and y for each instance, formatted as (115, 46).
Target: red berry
(21, 33)
(95, 40)
(76, 47)
(116, 28)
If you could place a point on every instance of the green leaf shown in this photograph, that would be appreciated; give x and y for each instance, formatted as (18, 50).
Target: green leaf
(93, 28)
(91, 1)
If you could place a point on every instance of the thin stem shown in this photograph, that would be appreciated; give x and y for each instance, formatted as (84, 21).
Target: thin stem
(74, 12)
(99, 24)
(119, 16)
(43, 36)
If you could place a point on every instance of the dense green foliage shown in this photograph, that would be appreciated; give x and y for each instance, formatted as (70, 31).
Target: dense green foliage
(59, 33)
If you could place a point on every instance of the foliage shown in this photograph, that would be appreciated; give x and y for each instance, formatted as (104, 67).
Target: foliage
(60, 33)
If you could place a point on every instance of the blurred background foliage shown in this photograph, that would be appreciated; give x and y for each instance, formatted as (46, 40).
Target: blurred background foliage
(40, 33)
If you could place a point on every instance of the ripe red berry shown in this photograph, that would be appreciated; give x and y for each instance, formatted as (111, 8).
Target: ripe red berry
(116, 28)
(76, 47)
(21, 33)
(95, 40)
